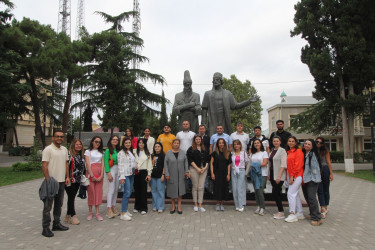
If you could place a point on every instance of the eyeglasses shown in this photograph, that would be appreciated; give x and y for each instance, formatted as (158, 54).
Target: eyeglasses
(97, 142)
(59, 136)
(114, 139)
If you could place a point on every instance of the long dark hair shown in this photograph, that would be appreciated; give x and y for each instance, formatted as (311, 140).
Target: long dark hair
(323, 149)
(161, 152)
(145, 148)
(100, 148)
(123, 145)
(131, 133)
(225, 150)
(295, 147)
(253, 149)
(314, 150)
(194, 145)
(110, 147)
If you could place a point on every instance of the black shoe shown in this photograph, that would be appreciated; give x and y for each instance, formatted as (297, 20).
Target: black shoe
(179, 212)
(172, 211)
(59, 227)
(47, 232)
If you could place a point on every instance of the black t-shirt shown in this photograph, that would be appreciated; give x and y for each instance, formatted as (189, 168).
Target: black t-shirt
(284, 138)
(157, 165)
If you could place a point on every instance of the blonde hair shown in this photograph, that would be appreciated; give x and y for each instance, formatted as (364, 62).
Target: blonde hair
(72, 149)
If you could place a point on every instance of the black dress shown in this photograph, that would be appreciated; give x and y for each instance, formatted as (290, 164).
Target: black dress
(220, 166)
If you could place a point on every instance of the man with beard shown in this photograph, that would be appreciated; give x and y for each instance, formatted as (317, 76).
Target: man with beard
(217, 104)
(187, 105)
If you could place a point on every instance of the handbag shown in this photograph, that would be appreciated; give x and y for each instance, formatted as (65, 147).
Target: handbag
(85, 181)
(110, 161)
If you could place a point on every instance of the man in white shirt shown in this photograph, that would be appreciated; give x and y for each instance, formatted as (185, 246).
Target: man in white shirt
(185, 136)
(241, 135)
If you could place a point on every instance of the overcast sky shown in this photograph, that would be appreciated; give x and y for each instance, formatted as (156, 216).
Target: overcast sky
(248, 38)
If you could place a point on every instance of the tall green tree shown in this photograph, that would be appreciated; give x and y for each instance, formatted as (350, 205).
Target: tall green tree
(250, 116)
(33, 43)
(173, 121)
(340, 55)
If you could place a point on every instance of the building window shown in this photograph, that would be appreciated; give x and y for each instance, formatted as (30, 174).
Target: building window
(331, 144)
(367, 145)
(366, 121)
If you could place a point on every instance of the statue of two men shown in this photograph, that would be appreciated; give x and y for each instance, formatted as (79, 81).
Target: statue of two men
(216, 106)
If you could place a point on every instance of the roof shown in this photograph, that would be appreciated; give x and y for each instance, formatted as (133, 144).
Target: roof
(295, 101)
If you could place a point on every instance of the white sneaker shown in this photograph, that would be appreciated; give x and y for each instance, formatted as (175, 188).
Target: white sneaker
(125, 217)
(241, 209)
(279, 216)
(237, 208)
(128, 214)
(257, 211)
(135, 210)
(202, 209)
(261, 212)
(291, 218)
(143, 212)
(300, 216)
(195, 209)
(160, 211)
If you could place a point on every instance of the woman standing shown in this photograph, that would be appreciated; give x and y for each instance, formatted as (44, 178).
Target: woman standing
(220, 172)
(95, 168)
(276, 174)
(239, 161)
(176, 170)
(198, 162)
(327, 176)
(157, 178)
(311, 179)
(76, 170)
(142, 176)
(129, 133)
(150, 141)
(258, 163)
(294, 162)
(111, 168)
(126, 166)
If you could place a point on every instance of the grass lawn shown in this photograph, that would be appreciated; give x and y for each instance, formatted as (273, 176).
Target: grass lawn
(362, 174)
(8, 176)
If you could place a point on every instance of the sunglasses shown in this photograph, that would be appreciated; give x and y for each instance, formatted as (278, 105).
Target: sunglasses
(319, 142)
(97, 142)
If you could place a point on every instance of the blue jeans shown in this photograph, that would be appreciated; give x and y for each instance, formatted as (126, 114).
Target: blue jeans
(239, 188)
(323, 190)
(128, 188)
(158, 193)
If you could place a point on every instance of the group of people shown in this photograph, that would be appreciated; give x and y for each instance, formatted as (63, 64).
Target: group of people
(169, 162)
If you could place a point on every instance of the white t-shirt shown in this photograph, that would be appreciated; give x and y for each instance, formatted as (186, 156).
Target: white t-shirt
(186, 139)
(258, 157)
(94, 155)
(56, 158)
(244, 139)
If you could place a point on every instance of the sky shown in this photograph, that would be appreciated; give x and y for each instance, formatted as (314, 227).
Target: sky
(248, 38)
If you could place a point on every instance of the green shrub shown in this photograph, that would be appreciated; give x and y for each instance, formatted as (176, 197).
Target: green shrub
(16, 151)
(27, 166)
(337, 156)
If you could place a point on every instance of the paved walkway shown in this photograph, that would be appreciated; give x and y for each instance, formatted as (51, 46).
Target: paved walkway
(350, 224)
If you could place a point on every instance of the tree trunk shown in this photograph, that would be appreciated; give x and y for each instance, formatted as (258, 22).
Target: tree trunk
(348, 156)
(15, 135)
(67, 103)
(35, 102)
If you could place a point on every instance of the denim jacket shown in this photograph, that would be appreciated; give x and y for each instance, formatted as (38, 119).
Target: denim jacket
(311, 173)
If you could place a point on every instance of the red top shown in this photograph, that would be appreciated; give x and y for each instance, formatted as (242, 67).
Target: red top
(295, 162)
(134, 142)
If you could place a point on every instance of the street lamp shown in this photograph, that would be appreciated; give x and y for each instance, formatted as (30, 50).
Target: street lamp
(370, 94)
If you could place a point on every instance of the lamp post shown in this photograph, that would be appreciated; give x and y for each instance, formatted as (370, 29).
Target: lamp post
(370, 93)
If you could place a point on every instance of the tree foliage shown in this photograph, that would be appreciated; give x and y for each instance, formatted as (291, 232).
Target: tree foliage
(250, 116)
(340, 54)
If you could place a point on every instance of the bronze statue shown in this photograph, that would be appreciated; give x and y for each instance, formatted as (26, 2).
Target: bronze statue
(187, 105)
(217, 104)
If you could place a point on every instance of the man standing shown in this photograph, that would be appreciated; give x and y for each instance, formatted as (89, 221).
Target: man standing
(280, 132)
(240, 135)
(220, 134)
(205, 138)
(186, 136)
(187, 104)
(55, 164)
(217, 104)
(262, 138)
(166, 138)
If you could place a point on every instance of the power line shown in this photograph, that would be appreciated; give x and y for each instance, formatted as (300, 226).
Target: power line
(256, 83)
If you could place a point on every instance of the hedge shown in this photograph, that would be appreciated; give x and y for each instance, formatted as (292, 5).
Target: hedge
(338, 157)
